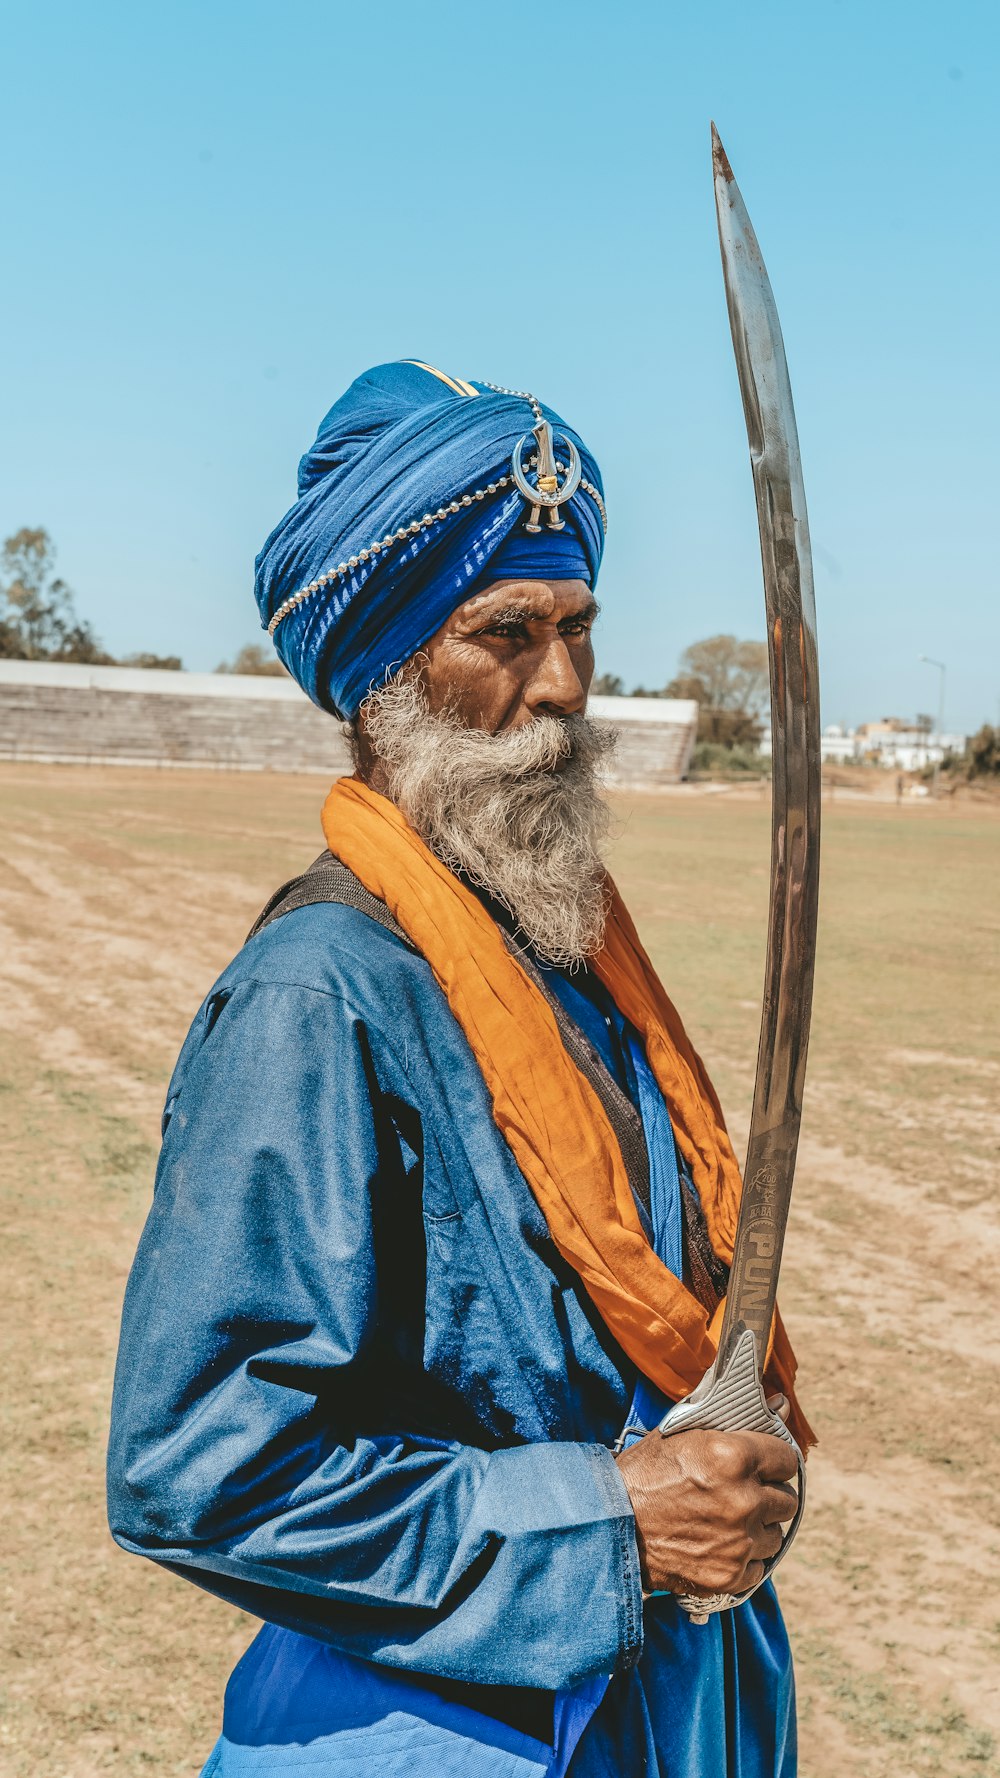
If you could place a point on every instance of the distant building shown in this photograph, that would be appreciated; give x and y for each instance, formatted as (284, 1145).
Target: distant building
(837, 744)
(900, 746)
(58, 713)
(656, 739)
(893, 742)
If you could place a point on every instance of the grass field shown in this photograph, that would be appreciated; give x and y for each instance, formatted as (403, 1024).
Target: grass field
(122, 894)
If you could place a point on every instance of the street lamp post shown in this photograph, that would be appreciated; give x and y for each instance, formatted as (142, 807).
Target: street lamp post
(929, 661)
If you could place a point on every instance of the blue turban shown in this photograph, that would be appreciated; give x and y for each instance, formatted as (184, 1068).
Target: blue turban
(408, 444)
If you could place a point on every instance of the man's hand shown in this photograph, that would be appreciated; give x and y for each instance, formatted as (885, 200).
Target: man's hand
(708, 1506)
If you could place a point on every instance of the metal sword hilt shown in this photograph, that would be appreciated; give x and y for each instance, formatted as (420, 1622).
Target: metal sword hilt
(730, 1398)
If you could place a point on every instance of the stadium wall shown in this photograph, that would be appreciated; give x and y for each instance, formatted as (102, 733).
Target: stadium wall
(55, 713)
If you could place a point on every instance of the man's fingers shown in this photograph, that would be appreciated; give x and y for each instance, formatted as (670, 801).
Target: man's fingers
(772, 1459)
(768, 1541)
(766, 1544)
(777, 1504)
(780, 1405)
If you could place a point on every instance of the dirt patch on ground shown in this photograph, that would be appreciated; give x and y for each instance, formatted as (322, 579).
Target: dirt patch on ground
(122, 894)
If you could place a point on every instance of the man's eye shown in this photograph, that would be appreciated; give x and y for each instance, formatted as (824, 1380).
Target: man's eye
(576, 626)
(510, 632)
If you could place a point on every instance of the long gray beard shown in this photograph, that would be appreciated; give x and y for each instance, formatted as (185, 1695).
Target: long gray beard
(520, 813)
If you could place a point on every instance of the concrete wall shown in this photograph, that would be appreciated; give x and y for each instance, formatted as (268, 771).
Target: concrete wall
(125, 716)
(655, 739)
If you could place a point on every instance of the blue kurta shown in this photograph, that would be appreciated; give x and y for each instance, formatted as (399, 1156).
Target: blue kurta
(360, 1394)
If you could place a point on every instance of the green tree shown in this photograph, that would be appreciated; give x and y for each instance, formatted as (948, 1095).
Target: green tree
(38, 621)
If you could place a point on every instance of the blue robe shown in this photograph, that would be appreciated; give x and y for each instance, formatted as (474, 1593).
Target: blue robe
(360, 1394)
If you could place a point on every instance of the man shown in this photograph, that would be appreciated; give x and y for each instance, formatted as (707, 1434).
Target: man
(445, 1200)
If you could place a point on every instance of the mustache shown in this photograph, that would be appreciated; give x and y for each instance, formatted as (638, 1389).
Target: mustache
(545, 744)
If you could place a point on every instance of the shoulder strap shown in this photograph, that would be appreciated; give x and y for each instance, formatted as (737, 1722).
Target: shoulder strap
(327, 880)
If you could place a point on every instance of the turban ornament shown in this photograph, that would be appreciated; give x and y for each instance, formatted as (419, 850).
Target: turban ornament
(419, 490)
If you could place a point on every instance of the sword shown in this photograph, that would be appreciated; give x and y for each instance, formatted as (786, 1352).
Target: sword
(730, 1396)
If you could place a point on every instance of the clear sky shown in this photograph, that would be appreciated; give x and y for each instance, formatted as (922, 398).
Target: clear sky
(217, 214)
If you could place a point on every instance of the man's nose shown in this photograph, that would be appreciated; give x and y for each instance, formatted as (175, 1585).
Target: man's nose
(555, 687)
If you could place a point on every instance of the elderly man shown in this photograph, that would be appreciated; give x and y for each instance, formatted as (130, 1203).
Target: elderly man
(445, 1202)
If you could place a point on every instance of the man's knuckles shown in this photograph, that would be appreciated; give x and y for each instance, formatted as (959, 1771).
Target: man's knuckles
(728, 1456)
(760, 1455)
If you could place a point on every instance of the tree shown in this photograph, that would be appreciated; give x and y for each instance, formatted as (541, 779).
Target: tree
(729, 681)
(733, 674)
(982, 757)
(38, 621)
(256, 660)
(37, 618)
(164, 663)
(607, 685)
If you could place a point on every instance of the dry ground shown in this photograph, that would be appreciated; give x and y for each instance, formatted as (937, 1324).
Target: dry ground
(123, 893)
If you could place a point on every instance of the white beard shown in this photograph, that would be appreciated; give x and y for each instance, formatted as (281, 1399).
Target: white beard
(520, 813)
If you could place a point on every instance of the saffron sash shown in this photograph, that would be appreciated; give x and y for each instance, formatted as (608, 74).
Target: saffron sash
(550, 1115)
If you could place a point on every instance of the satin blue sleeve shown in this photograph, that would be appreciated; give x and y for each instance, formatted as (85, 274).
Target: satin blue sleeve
(243, 1452)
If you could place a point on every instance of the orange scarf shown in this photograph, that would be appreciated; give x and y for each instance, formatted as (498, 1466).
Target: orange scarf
(550, 1116)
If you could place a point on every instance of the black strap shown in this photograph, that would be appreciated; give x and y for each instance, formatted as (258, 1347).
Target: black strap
(327, 880)
(705, 1274)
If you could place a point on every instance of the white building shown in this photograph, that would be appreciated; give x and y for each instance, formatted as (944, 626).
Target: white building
(901, 747)
(891, 743)
(837, 744)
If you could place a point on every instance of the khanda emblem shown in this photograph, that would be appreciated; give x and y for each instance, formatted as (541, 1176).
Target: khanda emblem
(547, 491)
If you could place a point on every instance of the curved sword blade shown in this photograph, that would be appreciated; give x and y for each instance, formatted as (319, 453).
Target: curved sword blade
(796, 782)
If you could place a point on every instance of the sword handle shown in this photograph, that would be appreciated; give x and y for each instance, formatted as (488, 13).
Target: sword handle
(731, 1399)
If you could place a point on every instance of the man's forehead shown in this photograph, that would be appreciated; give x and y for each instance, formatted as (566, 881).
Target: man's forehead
(530, 598)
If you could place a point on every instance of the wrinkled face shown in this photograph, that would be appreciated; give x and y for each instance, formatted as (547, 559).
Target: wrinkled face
(520, 649)
(482, 741)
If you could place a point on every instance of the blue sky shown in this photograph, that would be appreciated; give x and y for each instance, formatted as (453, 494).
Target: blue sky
(216, 214)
